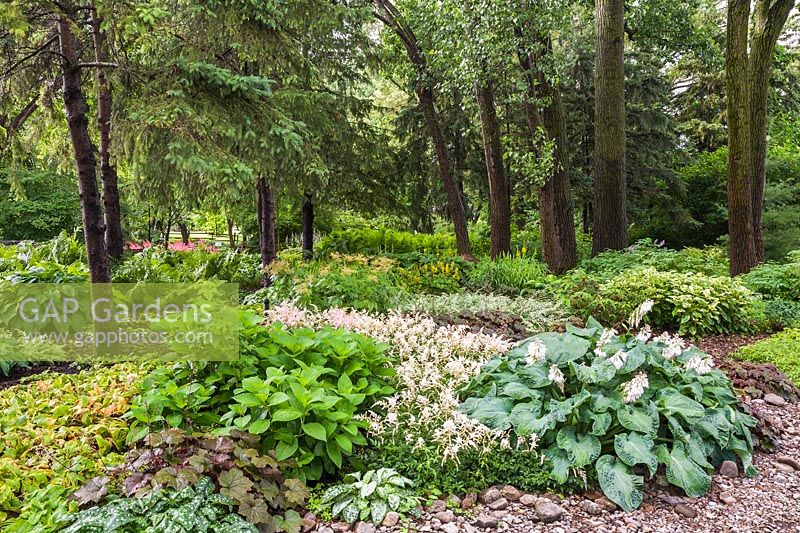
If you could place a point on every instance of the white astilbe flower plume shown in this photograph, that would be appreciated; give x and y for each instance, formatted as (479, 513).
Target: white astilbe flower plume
(634, 389)
(537, 352)
(639, 313)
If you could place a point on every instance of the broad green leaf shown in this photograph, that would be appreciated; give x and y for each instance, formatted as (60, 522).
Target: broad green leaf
(672, 402)
(559, 463)
(715, 424)
(316, 430)
(618, 483)
(600, 423)
(635, 448)
(639, 419)
(600, 371)
(490, 411)
(685, 473)
(581, 449)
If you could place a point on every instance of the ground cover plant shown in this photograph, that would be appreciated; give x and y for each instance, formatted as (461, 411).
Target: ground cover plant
(781, 350)
(595, 400)
(370, 495)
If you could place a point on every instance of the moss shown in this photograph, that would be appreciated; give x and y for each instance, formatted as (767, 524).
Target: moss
(782, 350)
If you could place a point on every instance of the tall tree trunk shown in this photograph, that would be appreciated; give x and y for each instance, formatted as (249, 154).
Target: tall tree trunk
(499, 205)
(610, 216)
(768, 21)
(389, 15)
(108, 173)
(266, 226)
(184, 232)
(741, 244)
(231, 236)
(308, 227)
(78, 125)
(556, 211)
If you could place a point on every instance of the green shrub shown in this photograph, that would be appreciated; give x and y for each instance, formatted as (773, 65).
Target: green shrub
(299, 390)
(196, 509)
(781, 350)
(377, 241)
(42, 205)
(370, 496)
(508, 275)
(691, 304)
(606, 403)
(776, 280)
(645, 253)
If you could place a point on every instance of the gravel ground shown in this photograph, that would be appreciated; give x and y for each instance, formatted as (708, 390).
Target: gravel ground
(769, 502)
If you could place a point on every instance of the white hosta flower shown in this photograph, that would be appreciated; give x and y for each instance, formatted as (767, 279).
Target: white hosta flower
(639, 313)
(537, 352)
(644, 334)
(606, 337)
(618, 360)
(634, 389)
(674, 345)
(556, 376)
(701, 365)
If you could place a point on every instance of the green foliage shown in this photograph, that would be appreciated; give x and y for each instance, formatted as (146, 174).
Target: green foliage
(513, 276)
(473, 472)
(60, 260)
(691, 304)
(711, 261)
(355, 281)
(372, 241)
(779, 281)
(370, 496)
(193, 509)
(37, 205)
(781, 350)
(298, 390)
(606, 403)
(58, 431)
(440, 277)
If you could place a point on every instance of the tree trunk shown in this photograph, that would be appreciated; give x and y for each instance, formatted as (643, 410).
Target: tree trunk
(556, 211)
(231, 236)
(389, 15)
(78, 125)
(308, 227)
(184, 232)
(499, 206)
(768, 21)
(741, 244)
(610, 217)
(108, 173)
(266, 226)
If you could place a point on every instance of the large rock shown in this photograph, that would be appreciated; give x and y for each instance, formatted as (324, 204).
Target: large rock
(490, 495)
(510, 493)
(548, 512)
(469, 501)
(685, 510)
(498, 505)
(364, 527)
(790, 461)
(437, 506)
(729, 469)
(606, 504)
(450, 528)
(309, 522)
(486, 521)
(445, 517)
(590, 507)
(340, 527)
(391, 519)
(727, 498)
(774, 399)
(528, 500)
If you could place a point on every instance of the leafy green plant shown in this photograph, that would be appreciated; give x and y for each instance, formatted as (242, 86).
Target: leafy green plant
(779, 281)
(193, 509)
(377, 241)
(299, 390)
(691, 304)
(371, 496)
(607, 403)
(711, 261)
(514, 276)
(781, 350)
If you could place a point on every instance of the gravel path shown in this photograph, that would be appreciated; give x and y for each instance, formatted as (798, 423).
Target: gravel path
(767, 503)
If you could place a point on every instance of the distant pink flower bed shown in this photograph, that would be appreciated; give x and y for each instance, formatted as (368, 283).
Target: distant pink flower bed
(178, 246)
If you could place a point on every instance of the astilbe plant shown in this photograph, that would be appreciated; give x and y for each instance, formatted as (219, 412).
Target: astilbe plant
(617, 404)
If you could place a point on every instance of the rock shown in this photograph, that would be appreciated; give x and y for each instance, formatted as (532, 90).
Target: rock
(486, 521)
(606, 504)
(589, 507)
(548, 512)
(498, 505)
(774, 399)
(555, 498)
(790, 461)
(469, 501)
(671, 500)
(729, 469)
(391, 519)
(445, 517)
(325, 529)
(593, 495)
(727, 498)
(510, 493)
(782, 467)
(490, 495)
(528, 500)
(364, 527)
(685, 510)
(468, 528)
(453, 501)
(309, 522)
(631, 523)
(437, 506)
(340, 527)
(450, 528)
(661, 480)
(647, 507)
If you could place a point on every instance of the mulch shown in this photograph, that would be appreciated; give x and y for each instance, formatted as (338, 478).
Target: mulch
(16, 374)
(719, 346)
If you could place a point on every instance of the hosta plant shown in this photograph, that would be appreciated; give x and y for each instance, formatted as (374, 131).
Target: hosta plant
(618, 404)
(371, 496)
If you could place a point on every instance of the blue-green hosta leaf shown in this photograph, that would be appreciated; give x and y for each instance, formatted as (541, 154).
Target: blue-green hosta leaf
(562, 409)
(685, 473)
(693, 389)
(618, 483)
(562, 349)
(519, 391)
(715, 424)
(559, 463)
(639, 419)
(534, 376)
(539, 426)
(634, 449)
(490, 411)
(599, 371)
(672, 402)
(676, 428)
(635, 358)
(524, 416)
(581, 449)
(745, 453)
(587, 332)
(600, 424)
(698, 451)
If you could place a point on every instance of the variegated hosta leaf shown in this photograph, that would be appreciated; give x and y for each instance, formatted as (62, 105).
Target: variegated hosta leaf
(635, 448)
(639, 419)
(618, 483)
(581, 449)
(378, 510)
(559, 463)
(684, 472)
